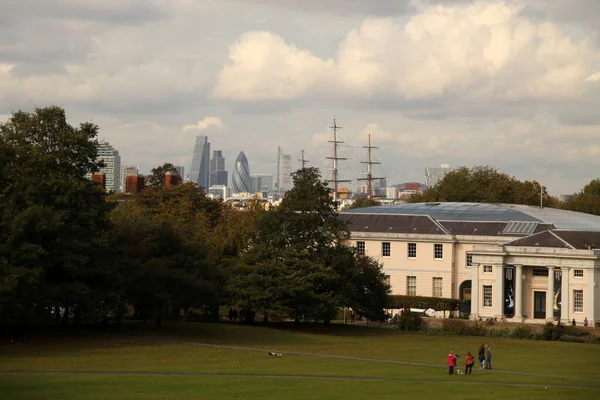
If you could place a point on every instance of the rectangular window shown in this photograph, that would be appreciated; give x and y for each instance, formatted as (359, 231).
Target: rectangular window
(412, 250)
(437, 287)
(360, 247)
(386, 249)
(487, 269)
(578, 301)
(438, 251)
(411, 285)
(487, 296)
(578, 273)
(540, 272)
(469, 260)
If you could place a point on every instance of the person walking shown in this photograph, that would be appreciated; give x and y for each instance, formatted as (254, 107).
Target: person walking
(481, 355)
(488, 356)
(469, 360)
(451, 363)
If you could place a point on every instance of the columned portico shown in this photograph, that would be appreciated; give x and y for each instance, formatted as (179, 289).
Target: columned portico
(518, 293)
(498, 292)
(550, 295)
(589, 298)
(565, 306)
(475, 291)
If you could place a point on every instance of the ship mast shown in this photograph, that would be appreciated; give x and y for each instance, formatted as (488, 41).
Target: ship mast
(303, 161)
(369, 163)
(336, 181)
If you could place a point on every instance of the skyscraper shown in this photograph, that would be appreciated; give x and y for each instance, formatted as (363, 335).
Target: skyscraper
(128, 170)
(261, 183)
(112, 166)
(435, 174)
(218, 175)
(200, 171)
(241, 174)
(284, 171)
(179, 170)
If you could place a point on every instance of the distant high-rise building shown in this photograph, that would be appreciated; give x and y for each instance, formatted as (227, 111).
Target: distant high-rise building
(261, 183)
(128, 170)
(241, 174)
(435, 174)
(200, 170)
(218, 175)
(179, 170)
(284, 171)
(112, 166)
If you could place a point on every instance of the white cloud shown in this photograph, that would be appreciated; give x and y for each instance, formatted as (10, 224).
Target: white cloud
(204, 124)
(593, 78)
(486, 49)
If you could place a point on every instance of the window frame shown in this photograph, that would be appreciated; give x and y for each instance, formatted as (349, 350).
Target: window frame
(439, 287)
(491, 296)
(437, 246)
(541, 272)
(469, 260)
(389, 249)
(575, 275)
(361, 248)
(578, 303)
(410, 278)
(485, 269)
(408, 250)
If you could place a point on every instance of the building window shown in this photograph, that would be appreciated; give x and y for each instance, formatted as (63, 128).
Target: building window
(578, 301)
(578, 273)
(411, 285)
(438, 251)
(469, 260)
(487, 296)
(540, 272)
(412, 250)
(386, 249)
(437, 287)
(360, 247)
(487, 269)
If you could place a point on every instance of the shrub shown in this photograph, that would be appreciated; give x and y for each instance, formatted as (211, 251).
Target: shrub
(408, 321)
(436, 303)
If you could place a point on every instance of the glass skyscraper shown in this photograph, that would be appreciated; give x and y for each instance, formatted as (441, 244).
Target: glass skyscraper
(200, 170)
(241, 174)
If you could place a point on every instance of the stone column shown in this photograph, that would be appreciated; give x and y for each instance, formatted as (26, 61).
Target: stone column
(519, 293)
(589, 296)
(498, 291)
(475, 291)
(565, 306)
(550, 295)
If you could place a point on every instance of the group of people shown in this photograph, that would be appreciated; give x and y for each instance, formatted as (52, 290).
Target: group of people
(484, 357)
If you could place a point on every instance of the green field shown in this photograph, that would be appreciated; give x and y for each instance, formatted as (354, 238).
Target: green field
(336, 362)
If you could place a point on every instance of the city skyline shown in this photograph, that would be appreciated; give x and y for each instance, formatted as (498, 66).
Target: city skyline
(511, 84)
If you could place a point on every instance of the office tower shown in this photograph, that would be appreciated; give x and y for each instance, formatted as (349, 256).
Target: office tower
(241, 174)
(179, 170)
(112, 166)
(435, 174)
(218, 175)
(261, 183)
(200, 171)
(284, 171)
(128, 170)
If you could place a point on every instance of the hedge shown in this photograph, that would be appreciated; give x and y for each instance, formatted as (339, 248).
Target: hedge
(436, 303)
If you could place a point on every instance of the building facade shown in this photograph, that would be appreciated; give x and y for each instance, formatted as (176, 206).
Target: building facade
(218, 174)
(435, 174)
(200, 169)
(261, 183)
(284, 171)
(112, 166)
(241, 174)
(521, 263)
(128, 170)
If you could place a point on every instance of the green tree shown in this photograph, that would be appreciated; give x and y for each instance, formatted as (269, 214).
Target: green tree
(587, 200)
(363, 202)
(484, 185)
(157, 176)
(53, 221)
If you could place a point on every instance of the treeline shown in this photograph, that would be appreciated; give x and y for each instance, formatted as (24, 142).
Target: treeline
(484, 184)
(70, 252)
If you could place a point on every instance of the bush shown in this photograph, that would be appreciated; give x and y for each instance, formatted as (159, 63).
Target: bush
(553, 332)
(408, 321)
(436, 303)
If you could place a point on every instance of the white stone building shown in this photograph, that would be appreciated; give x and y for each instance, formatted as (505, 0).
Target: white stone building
(521, 263)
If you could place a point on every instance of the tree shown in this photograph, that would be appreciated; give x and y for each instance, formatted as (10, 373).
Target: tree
(157, 178)
(53, 221)
(587, 200)
(484, 185)
(363, 202)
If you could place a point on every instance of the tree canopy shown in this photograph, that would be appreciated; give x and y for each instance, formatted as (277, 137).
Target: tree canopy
(157, 176)
(587, 200)
(484, 184)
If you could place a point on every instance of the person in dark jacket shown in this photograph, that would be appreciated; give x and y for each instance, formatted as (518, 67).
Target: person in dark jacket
(481, 356)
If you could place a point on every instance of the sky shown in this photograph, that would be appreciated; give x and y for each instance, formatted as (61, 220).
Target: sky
(510, 84)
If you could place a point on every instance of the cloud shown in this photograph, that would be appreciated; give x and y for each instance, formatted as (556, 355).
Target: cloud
(593, 78)
(482, 50)
(205, 123)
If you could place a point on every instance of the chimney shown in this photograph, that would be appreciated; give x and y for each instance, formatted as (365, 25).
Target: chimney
(100, 180)
(171, 179)
(134, 183)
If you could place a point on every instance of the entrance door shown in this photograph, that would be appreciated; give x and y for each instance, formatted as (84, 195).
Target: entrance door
(539, 305)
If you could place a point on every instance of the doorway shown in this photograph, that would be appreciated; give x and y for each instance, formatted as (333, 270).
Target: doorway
(539, 305)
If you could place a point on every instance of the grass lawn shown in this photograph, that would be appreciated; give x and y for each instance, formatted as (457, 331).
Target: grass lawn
(515, 362)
